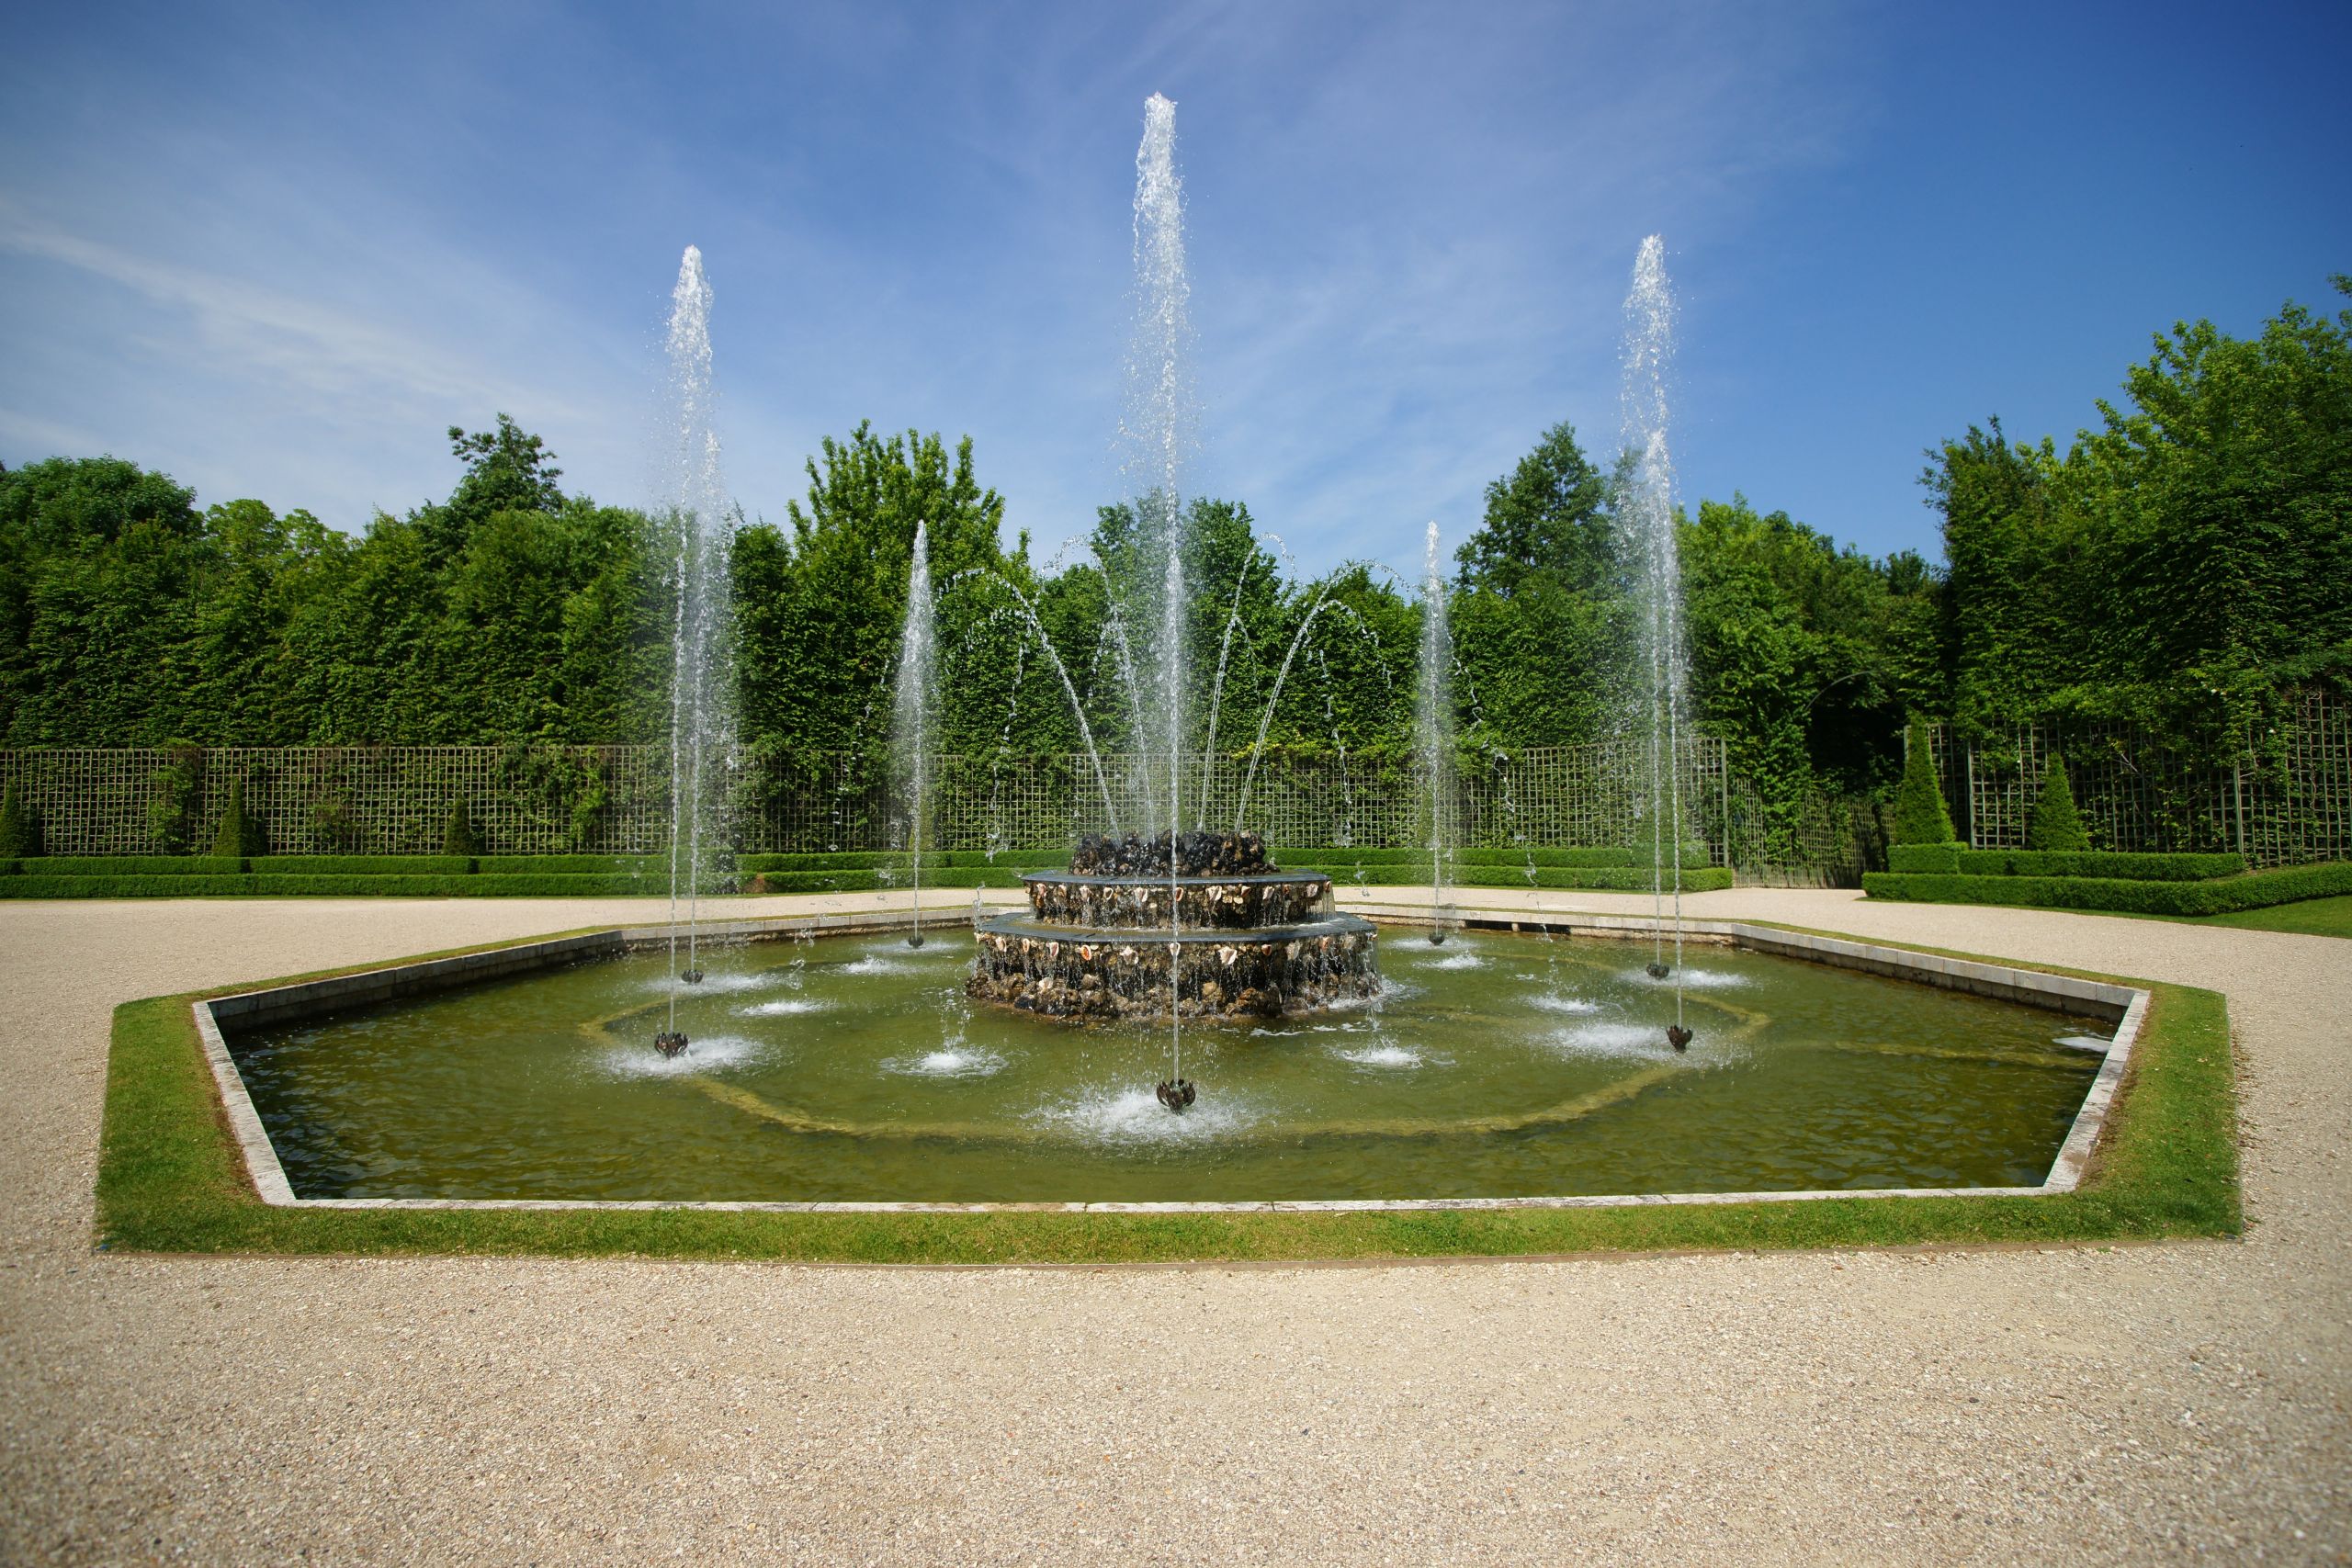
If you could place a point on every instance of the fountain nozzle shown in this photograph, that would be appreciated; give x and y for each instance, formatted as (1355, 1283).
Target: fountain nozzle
(1177, 1095)
(1659, 971)
(669, 1043)
(1437, 938)
(691, 976)
(1677, 1037)
(915, 941)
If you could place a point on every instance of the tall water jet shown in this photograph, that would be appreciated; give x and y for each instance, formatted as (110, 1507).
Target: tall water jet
(701, 711)
(1159, 428)
(910, 709)
(1263, 941)
(1433, 733)
(1649, 517)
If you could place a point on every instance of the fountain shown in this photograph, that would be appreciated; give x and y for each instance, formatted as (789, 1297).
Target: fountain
(1186, 923)
(1433, 733)
(700, 709)
(1647, 514)
(1528, 1067)
(910, 706)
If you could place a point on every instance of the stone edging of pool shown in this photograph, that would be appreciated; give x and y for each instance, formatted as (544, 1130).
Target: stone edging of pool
(2124, 1006)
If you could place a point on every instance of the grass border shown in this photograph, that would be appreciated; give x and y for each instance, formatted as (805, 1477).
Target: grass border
(170, 1179)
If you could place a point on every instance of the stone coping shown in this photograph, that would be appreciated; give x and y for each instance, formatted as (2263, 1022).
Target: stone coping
(2126, 1006)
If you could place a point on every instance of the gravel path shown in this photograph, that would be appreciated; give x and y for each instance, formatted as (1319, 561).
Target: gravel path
(2144, 1403)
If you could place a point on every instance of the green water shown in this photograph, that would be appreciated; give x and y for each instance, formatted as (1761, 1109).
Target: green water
(854, 1068)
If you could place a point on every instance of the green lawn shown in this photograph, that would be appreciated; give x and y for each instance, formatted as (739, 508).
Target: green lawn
(2313, 917)
(169, 1180)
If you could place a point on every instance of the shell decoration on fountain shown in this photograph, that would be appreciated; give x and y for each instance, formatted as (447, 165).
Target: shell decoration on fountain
(1253, 940)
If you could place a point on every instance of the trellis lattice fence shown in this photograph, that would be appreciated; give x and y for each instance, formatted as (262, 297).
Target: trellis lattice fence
(615, 799)
(2284, 799)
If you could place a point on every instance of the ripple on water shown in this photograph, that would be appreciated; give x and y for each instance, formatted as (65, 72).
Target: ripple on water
(788, 1006)
(949, 1062)
(642, 1060)
(1133, 1118)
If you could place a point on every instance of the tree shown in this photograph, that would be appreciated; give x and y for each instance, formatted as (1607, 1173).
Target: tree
(20, 829)
(2054, 823)
(239, 834)
(1549, 516)
(819, 608)
(1920, 817)
(458, 837)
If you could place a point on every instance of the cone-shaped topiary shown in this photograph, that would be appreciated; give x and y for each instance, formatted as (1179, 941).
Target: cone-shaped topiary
(1920, 817)
(458, 839)
(2054, 824)
(239, 834)
(20, 829)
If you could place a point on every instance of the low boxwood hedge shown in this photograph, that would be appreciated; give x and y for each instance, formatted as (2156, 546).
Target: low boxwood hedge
(854, 881)
(323, 886)
(2221, 895)
(131, 865)
(1693, 856)
(1959, 860)
(35, 884)
(1617, 879)
(361, 865)
(889, 860)
(571, 866)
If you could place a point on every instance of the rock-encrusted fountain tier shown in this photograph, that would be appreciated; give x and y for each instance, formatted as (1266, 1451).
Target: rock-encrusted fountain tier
(1249, 941)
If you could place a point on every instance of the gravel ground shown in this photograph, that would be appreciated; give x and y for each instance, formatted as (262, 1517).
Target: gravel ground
(2137, 1404)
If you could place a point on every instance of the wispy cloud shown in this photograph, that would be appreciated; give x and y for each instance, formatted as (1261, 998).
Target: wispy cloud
(360, 366)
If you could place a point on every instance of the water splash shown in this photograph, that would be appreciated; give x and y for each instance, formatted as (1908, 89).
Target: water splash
(1647, 515)
(1265, 720)
(1433, 732)
(701, 714)
(911, 707)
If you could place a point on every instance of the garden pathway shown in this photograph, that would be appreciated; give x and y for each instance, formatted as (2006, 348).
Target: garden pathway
(2150, 1403)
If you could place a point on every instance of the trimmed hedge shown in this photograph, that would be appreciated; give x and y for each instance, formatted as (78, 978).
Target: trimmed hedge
(1615, 879)
(1948, 858)
(1693, 855)
(888, 860)
(571, 866)
(131, 866)
(35, 884)
(361, 865)
(281, 886)
(963, 877)
(2222, 896)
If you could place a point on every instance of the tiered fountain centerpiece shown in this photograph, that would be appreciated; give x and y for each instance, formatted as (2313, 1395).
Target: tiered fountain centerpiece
(1247, 940)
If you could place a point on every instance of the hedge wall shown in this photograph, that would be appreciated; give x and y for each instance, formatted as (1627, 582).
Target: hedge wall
(1949, 859)
(2221, 897)
(34, 886)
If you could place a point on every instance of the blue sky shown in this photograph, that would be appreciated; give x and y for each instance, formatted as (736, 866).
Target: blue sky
(275, 250)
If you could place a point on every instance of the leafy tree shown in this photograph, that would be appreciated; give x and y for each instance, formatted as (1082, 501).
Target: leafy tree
(819, 608)
(1548, 518)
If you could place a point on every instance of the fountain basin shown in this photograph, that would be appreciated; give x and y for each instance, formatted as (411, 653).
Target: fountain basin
(849, 1073)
